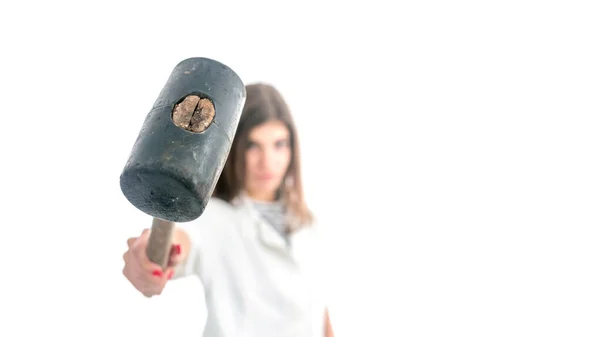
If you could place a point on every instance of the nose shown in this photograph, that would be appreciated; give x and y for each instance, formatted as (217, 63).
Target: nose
(266, 158)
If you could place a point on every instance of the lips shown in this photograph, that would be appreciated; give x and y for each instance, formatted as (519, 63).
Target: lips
(265, 176)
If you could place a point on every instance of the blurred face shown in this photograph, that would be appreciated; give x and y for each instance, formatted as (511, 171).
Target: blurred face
(267, 159)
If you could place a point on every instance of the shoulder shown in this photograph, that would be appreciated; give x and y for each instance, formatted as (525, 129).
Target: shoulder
(219, 218)
(315, 225)
(217, 208)
(312, 231)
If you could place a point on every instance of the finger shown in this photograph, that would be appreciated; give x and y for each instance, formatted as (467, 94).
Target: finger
(134, 277)
(139, 244)
(147, 271)
(175, 256)
(149, 266)
(140, 240)
(133, 262)
(149, 284)
(157, 277)
(156, 284)
(143, 280)
(131, 241)
(138, 249)
(133, 271)
(168, 274)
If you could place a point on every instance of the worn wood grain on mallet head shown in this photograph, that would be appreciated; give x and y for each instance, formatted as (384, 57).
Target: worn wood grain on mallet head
(193, 113)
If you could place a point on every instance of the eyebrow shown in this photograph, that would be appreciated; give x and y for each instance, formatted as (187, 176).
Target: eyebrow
(277, 140)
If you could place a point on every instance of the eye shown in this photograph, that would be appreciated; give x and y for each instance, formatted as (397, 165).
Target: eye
(251, 145)
(282, 144)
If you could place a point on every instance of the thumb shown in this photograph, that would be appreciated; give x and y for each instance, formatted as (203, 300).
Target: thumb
(176, 255)
(145, 234)
(141, 241)
(140, 246)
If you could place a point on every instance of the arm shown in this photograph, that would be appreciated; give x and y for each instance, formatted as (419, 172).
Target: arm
(328, 328)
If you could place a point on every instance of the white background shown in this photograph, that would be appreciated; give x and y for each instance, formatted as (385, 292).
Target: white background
(450, 148)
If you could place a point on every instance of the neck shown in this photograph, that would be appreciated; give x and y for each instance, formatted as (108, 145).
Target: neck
(261, 196)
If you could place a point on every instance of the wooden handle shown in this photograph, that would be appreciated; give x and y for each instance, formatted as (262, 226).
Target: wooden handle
(159, 242)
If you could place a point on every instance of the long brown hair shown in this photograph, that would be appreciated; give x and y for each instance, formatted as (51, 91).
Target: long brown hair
(265, 103)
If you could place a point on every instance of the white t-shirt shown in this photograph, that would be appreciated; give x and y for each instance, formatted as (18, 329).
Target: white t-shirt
(255, 283)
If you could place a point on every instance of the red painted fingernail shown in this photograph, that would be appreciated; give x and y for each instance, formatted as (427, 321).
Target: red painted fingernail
(157, 273)
(177, 249)
(170, 274)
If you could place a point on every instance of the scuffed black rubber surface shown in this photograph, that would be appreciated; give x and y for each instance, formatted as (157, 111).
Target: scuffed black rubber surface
(171, 172)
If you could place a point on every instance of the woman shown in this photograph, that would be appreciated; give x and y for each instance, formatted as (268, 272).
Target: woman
(255, 248)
